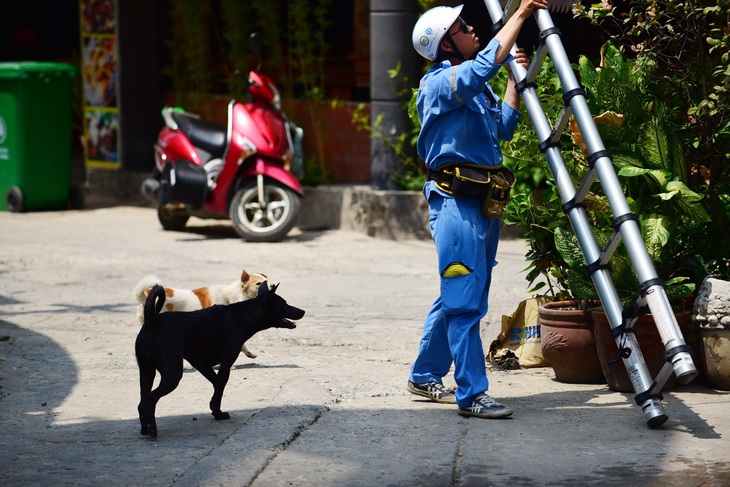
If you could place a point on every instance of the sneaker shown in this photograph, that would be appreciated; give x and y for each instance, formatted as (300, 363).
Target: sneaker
(435, 391)
(483, 406)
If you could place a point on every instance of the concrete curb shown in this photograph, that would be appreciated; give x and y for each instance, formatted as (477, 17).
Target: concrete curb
(392, 215)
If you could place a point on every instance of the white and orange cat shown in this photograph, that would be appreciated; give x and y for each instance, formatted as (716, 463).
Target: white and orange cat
(193, 299)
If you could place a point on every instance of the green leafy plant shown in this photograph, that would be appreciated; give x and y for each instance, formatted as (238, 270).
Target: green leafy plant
(411, 175)
(292, 39)
(634, 127)
(546, 272)
(683, 49)
(521, 153)
(622, 275)
(546, 229)
(535, 206)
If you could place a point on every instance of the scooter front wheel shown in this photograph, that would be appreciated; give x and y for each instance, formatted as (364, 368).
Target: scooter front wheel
(264, 221)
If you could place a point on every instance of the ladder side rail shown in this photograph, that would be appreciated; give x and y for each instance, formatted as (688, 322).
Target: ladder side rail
(630, 231)
(635, 364)
(652, 286)
(564, 183)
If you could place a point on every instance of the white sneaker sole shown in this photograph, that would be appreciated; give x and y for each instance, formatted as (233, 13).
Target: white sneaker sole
(495, 414)
(450, 400)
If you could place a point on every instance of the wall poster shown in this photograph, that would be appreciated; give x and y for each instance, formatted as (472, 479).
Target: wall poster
(100, 65)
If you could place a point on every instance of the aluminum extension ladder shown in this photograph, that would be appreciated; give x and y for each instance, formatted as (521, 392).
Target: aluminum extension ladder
(626, 224)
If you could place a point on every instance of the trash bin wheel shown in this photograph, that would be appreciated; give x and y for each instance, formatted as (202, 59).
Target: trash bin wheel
(14, 199)
(76, 196)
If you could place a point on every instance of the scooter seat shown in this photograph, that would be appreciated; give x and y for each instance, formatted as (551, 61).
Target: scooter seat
(207, 135)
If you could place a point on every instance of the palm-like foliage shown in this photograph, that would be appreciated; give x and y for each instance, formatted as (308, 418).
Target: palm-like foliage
(652, 170)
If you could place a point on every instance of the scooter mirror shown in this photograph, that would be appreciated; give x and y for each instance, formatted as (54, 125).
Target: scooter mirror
(255, 43)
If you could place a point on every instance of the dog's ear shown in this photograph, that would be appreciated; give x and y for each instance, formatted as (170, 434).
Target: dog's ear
(245, 277)
(274, 287)
(263, 289)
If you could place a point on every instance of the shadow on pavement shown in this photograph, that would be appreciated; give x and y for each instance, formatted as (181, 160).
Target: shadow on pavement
(225, 231)
(38, 382)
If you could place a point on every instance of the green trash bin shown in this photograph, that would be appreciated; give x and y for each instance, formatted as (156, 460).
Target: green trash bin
(35, 135)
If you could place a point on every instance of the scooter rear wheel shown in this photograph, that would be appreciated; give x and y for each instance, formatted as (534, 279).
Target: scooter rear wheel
(172, 217)
(267, 221)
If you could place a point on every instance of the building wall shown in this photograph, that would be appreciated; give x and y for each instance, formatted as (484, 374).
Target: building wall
(49, 31)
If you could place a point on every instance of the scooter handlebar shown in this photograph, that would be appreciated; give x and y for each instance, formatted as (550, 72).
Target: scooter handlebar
(167, 113)
(167, 117)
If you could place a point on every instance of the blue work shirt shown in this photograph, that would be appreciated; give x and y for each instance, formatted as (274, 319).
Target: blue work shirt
(462, 120)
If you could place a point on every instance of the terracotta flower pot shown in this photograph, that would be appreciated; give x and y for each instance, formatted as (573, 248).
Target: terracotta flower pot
(567, 342)
(650, 343)
(716, 360)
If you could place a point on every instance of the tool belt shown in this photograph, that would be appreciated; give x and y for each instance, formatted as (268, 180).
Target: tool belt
(490, 184)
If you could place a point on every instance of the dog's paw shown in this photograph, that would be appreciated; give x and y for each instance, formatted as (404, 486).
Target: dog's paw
(219, 415)
(150, 429)
(144, 427)
(248, 352)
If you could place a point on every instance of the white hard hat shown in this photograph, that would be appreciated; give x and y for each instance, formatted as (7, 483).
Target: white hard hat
(430, 29)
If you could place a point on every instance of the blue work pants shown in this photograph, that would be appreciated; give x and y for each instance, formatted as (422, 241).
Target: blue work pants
(467, 241)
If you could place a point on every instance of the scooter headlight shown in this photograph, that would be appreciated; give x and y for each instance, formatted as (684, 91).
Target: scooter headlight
(287, 159)
(247, 149)
(160, 158)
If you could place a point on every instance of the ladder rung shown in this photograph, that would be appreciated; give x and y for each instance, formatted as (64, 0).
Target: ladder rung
(585, 186)
(558, 129)
(536, 63)
(612, 245)
(652, 297)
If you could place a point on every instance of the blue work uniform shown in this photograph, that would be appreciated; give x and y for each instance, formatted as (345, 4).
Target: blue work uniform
(462, 121)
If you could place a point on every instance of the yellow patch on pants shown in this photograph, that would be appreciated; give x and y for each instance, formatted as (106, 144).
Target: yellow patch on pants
(456, 269)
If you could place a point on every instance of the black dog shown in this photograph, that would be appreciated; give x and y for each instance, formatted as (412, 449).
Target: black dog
(204, 338)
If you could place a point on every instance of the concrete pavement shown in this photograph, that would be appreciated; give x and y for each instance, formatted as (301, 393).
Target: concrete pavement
(324, 404)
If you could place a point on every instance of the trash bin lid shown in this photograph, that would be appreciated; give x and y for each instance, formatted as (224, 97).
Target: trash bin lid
(25, 69)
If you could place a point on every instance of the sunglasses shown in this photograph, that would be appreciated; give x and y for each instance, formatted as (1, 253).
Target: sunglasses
(463, 27)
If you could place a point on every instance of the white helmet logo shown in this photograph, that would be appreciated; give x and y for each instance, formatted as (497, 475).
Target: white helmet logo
(431, 28)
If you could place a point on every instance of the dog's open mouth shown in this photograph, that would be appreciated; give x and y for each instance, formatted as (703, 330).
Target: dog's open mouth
(294, 314)
(284, 323)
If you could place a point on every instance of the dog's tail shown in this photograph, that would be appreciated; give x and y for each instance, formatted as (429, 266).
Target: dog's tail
(153, 305)
(147, 282)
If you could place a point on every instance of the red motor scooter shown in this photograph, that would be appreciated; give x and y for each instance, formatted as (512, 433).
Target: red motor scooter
(244, 172)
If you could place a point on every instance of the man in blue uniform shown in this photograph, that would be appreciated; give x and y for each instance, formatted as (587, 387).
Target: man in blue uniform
(462, 122)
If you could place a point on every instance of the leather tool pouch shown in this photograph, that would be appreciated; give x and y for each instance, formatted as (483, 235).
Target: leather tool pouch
(498, 195)
(491, 185)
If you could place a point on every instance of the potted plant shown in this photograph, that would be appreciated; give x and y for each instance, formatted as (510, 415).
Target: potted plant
(683, 47)
(635, 128)
(566, 325)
